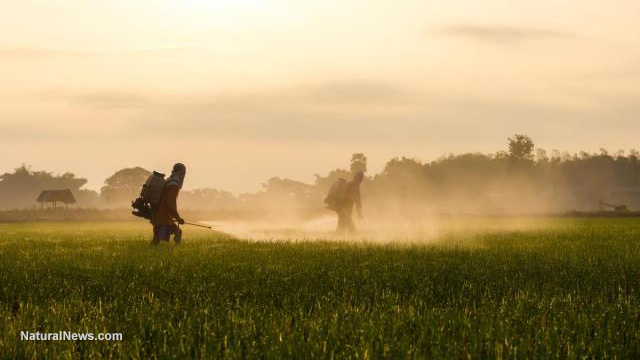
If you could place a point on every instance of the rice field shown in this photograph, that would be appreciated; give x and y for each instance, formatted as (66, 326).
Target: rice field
(546, 289)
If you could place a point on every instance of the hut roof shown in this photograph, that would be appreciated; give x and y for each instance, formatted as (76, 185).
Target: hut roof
(64, 196)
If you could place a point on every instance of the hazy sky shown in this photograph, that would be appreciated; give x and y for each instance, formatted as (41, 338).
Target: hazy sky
(242, 90)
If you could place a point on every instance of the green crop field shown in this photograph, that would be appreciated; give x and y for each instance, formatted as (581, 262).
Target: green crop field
(545, 289)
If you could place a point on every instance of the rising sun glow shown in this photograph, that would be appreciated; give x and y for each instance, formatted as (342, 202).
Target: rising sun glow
(227, 4)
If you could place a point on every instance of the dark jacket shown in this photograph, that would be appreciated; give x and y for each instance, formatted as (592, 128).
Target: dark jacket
(167, 207)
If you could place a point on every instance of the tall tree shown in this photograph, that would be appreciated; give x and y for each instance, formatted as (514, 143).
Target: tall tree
(124, 186)
(521, 147)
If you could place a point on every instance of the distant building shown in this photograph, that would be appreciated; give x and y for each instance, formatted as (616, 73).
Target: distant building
(53, 197)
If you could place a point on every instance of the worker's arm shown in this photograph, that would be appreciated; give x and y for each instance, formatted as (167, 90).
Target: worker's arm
(172, 203)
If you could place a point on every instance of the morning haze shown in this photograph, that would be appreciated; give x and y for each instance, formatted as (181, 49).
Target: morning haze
(245, 90)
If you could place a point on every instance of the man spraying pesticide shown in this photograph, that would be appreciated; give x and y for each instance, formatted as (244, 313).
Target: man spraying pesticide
(158, 203)
(343, 195)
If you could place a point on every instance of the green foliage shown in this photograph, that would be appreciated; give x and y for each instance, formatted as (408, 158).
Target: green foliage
(546, 289)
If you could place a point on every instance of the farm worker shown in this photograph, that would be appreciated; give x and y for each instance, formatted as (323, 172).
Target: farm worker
(344, 205)
(167, 211)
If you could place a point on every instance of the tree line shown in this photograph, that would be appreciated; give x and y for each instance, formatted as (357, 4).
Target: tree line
(521, 179)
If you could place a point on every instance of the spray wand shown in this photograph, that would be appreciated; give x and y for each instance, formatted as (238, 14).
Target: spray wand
(204, 226)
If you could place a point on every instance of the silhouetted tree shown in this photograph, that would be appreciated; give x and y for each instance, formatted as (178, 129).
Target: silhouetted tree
(22, 187)
(541, 156)
(510, 181)
(208, 199)
(287, 188)
(124, 186)
(521, 147)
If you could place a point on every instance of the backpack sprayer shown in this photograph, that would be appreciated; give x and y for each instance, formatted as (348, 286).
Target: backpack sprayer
(147, 203)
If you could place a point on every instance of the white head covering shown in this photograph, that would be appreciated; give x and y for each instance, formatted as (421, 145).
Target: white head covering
(177, 174)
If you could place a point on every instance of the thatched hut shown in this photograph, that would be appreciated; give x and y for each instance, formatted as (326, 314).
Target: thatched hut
(53, 197)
